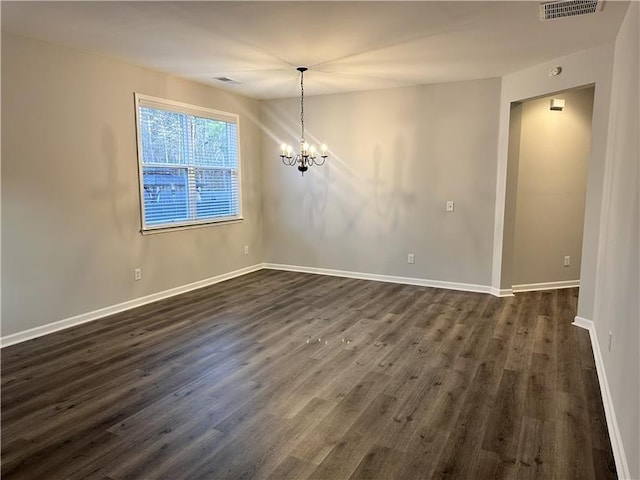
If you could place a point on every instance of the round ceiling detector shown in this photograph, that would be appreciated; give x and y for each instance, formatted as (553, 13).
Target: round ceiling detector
(554, 71)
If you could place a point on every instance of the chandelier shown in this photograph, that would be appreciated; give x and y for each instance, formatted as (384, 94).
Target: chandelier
(308, 155)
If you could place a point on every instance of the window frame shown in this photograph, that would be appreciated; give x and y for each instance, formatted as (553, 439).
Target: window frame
(197, 111)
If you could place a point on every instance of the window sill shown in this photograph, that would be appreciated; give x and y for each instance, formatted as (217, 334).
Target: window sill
(153, 231)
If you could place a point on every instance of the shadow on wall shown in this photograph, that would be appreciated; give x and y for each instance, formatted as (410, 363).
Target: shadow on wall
(114, 192)
(315, 198)
(391, 201)
(333, 186)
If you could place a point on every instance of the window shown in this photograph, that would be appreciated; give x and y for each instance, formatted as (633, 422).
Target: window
(189, 166)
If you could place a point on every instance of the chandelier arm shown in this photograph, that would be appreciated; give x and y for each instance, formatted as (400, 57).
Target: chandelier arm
(289, 161)
(319, 163)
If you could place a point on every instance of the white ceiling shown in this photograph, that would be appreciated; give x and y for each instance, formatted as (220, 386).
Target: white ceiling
(348, 46)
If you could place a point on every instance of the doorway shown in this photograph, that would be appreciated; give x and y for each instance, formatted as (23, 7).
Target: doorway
(548, 156)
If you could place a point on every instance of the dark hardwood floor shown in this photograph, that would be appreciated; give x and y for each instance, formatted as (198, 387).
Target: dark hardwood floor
(278, 375)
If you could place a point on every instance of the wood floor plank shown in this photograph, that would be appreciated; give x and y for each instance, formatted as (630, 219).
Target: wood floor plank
(378, 462)
(450, 390)
(422, 457)
(544, 336)
(291, 468)
(502, 431)
(540, 401)
(370, 426)
(283, 375)
(536, 453)
(465, 439)
(573, 430)
(316, 444)
(597, 419)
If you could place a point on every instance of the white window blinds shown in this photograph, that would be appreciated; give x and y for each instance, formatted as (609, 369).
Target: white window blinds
(189, 166)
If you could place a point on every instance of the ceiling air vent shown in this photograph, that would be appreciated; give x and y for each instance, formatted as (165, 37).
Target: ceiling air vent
(571, 8)
(226, 80)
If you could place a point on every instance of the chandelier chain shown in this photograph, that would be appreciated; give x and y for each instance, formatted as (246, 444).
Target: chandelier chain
(302, 105)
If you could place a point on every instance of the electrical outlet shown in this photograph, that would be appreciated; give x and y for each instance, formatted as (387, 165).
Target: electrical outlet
(411, 258)
(137, 274)
(450, 205)
(246, 249)
(567, 260)
(610, 339)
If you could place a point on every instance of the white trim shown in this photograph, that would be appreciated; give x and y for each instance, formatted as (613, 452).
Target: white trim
(110, 310)
(120, 307)
(617, 446)
(113, 309)
(142, 100)
(502, 148)
(465, 287)
(153, 231)
(501, 292)
(534, 287)
(160, 103)
(584, 323)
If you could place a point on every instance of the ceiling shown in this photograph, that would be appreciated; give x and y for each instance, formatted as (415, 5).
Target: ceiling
(349, 46)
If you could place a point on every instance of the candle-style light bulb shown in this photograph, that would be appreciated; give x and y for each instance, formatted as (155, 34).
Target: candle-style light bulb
(312, 150)
(289, 150)
(305, 147)
(324, 150)
(283, 148)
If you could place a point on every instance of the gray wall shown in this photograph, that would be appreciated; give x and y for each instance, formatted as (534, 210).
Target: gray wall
(551, 187)
(396, 157)
(70, 201)
(617, 306)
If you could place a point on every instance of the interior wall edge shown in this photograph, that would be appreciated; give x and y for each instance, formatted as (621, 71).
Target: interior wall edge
(617, 446)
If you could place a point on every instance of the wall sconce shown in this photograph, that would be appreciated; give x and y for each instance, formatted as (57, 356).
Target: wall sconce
(557, 104)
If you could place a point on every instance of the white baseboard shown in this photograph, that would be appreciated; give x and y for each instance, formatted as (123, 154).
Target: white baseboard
(110, 310)
(534, 287)
(501, 292)
(465, 287)
(587, 325)
(120, 307)
(612, 423)
(614, 432)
